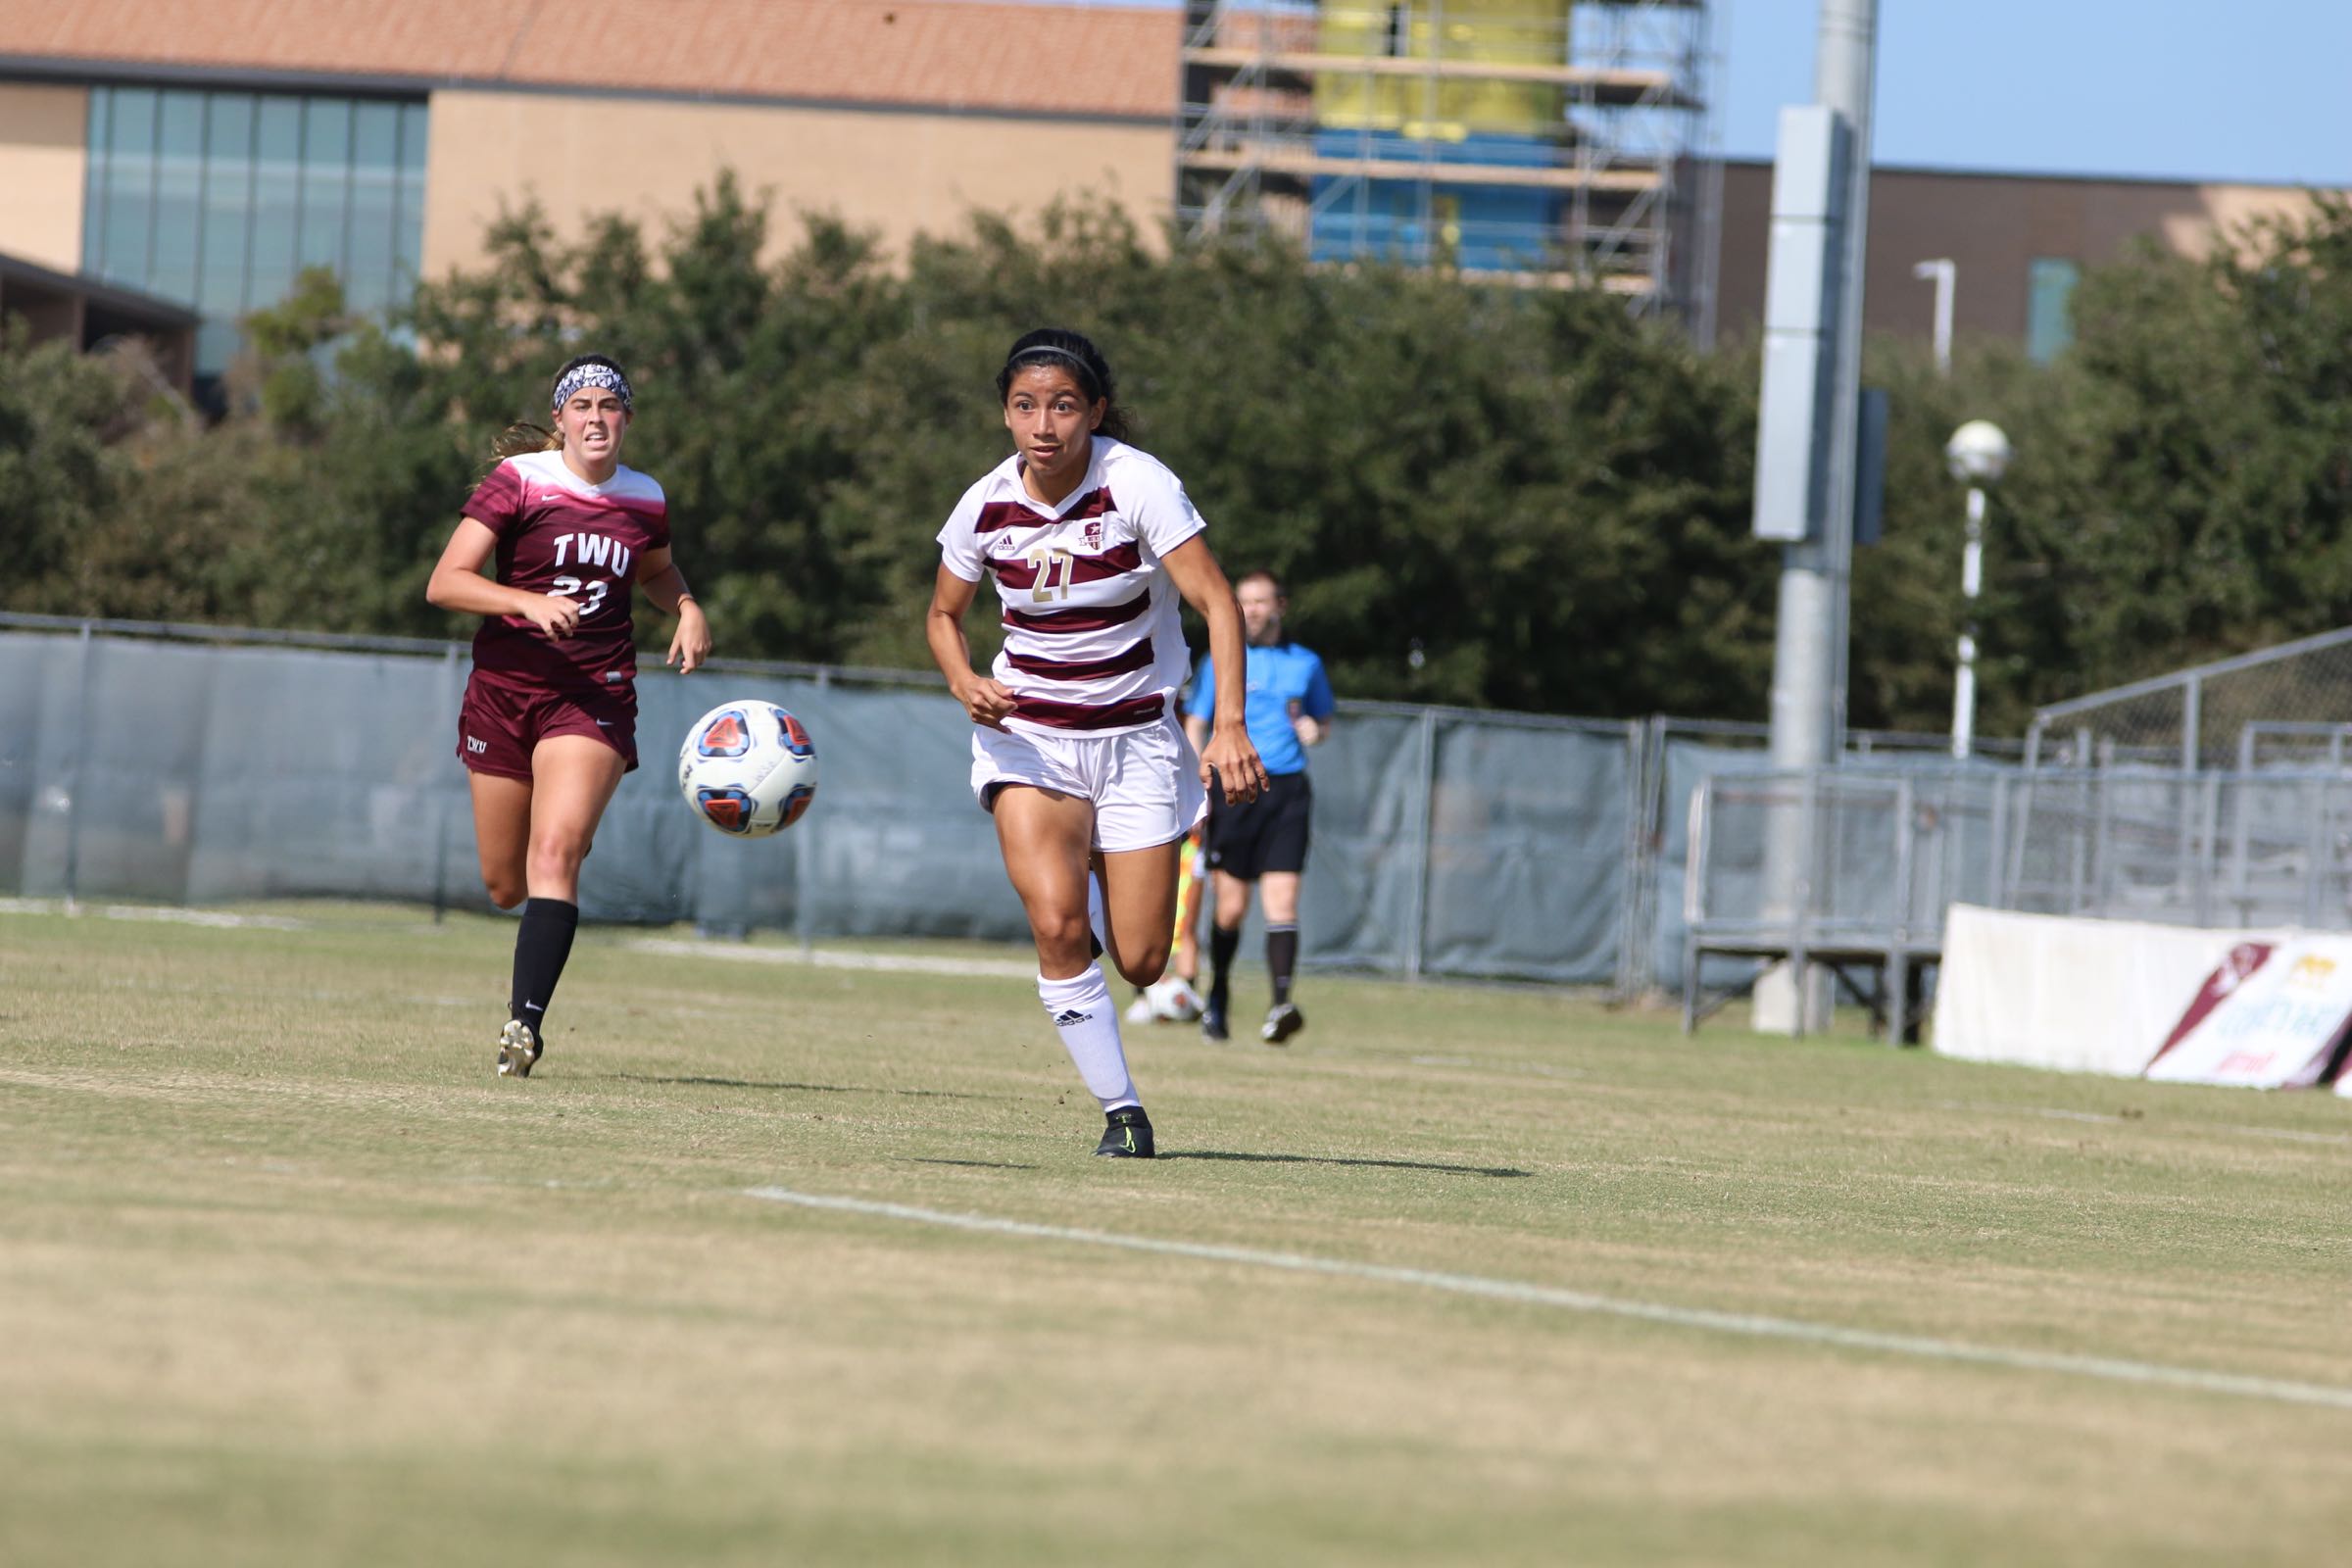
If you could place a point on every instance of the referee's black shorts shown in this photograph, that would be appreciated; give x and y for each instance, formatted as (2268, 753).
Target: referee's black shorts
(1267, 834)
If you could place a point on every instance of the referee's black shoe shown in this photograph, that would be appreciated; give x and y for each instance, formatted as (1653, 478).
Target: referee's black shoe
(1127, 1135)
(1212, 1022)
(1284, 1022)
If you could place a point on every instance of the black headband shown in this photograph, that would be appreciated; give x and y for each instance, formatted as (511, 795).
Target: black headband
(1086, 371)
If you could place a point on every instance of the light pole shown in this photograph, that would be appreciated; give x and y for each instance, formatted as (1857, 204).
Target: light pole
(1946, 274)
(1978, 454)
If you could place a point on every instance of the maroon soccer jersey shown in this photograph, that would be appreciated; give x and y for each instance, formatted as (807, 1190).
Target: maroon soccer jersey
(560, 534)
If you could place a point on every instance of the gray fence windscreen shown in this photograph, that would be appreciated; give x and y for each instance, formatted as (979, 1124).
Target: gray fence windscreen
(1446, 842)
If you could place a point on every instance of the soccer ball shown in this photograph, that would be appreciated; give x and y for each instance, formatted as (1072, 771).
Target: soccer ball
(748, 768)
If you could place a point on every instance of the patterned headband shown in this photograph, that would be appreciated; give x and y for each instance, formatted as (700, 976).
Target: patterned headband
(587, 375)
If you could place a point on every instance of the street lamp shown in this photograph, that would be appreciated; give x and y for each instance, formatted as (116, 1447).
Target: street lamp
(1946, 273)
(1978, 454)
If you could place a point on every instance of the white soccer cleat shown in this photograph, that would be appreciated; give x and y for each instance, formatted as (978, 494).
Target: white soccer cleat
(518, 1050)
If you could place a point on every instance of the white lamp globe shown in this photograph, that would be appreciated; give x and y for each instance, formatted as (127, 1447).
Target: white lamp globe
(1978, 453)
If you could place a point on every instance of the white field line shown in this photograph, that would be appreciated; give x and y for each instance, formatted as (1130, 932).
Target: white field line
(153, 911)
(902, 963)
(2112, 1369)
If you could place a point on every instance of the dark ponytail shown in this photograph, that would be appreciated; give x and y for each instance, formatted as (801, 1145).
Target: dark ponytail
(1075, 353)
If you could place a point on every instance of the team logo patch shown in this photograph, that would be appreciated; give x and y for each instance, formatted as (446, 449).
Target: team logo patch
(728, 736)
(1094, 533)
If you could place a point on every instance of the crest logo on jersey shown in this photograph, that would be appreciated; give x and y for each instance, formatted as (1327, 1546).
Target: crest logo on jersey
(1094, 533)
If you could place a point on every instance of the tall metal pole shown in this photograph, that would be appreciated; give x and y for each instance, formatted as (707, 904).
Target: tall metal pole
(1972, 579)
(1809, 651)
(1945, 274)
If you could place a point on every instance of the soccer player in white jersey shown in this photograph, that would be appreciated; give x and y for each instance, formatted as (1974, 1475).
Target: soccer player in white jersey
(550, 719)
(1075, 751)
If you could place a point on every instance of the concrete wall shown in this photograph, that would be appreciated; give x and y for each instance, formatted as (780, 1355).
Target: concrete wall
(900, 173)
(44, 172)
(1993, 226)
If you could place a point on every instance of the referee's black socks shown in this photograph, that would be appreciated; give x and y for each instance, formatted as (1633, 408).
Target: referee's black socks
(1223, 944)
(541, 947)
(1282, 956)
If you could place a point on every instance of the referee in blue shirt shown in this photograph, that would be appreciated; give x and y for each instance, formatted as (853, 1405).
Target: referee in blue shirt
(1263, 843)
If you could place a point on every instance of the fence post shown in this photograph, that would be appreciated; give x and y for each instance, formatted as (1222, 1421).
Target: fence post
(1999, 893)
(1632, 978)
(2209, 830)
(1424, 830)
(2193, 720)
(2314, 841)
(84, 728)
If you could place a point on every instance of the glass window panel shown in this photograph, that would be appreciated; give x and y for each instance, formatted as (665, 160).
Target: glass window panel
(409, 238)
(325, 180)
(375, 204)
(2049, 301)
(129, 186)
(93, 196)
(178, 195)
(228, 217)
(277, 199)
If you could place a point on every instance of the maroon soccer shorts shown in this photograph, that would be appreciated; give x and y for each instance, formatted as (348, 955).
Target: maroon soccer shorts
(500, 724)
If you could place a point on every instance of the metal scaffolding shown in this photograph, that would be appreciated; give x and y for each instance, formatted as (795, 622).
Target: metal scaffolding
(1567, 143)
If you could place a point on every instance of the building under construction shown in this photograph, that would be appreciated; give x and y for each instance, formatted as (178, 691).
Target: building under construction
(1555, 141)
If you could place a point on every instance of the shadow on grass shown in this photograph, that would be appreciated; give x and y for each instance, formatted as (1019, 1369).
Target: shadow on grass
(976, 1165)
(1332, 1159)
(786, 1087)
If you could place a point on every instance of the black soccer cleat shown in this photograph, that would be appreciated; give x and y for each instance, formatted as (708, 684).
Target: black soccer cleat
(1212, 1022)
(1127, 1135)
(1282, 1022)
(518, 1049)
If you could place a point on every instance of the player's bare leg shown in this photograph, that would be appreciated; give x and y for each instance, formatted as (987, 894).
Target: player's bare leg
(1047, 839)
(573, 777)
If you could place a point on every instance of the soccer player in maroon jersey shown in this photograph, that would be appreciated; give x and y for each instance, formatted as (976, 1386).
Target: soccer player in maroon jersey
(1074, 748)
(550, 719)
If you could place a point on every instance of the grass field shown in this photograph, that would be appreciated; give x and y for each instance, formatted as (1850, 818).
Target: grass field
(288, 1277)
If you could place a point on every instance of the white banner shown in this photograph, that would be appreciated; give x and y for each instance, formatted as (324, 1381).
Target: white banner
(2267, 1016)
(2053, 990)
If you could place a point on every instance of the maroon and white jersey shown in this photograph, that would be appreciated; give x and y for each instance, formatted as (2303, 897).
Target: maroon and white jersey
(1092, 640)
(560, 534)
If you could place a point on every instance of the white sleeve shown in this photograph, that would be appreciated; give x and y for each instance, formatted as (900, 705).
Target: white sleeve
(960, 539)
(1165, 515)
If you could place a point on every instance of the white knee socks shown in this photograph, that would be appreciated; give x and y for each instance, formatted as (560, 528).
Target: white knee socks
(1088, 1025)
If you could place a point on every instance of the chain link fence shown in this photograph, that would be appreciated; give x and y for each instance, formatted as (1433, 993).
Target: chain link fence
(2288, 706)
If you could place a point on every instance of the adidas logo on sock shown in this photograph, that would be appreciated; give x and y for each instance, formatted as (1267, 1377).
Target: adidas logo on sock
(1065, 1019)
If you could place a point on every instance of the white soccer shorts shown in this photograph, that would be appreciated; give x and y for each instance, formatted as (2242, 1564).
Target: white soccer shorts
(1145, 784)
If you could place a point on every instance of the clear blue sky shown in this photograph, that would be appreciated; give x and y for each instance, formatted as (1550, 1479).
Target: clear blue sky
(2253, 90)
(2256, 90)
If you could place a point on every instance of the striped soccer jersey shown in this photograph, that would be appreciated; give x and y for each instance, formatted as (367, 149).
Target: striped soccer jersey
(1092, 640)
(560, 534)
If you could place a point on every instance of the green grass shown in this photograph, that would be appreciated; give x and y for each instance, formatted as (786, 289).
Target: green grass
(287, 1276)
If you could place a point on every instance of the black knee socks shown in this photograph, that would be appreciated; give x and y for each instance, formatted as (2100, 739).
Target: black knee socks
(1282, 956)
(1222, 945)
(541, 947)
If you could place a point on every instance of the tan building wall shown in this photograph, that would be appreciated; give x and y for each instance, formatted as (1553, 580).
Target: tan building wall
(44, 172)
(900, 173)
(1993, 228)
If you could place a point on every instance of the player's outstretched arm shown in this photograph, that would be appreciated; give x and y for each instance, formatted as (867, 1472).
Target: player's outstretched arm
(1229, 759)
(985, 698)
(689, 644)
(458, 584)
